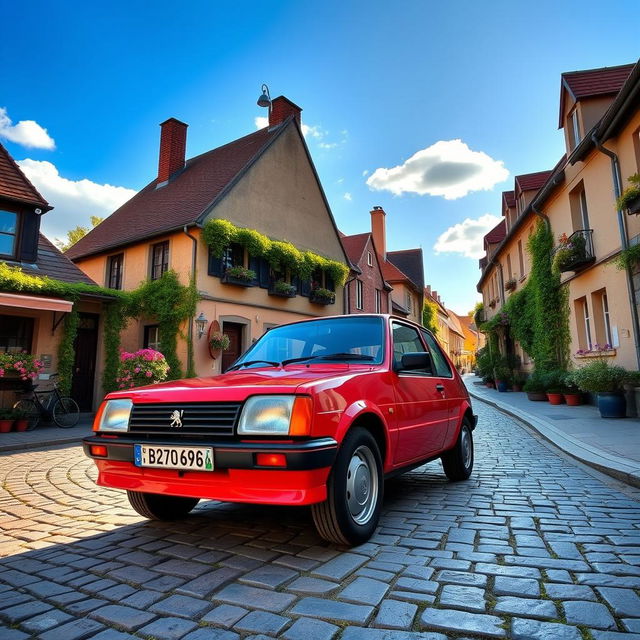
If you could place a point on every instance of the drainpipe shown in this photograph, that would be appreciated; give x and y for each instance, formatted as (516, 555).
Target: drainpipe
(617, 189)
(543, 216)
(194, 253)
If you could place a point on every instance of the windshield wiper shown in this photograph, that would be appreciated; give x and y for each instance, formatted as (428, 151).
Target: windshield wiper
(330, 356)
(250, 362)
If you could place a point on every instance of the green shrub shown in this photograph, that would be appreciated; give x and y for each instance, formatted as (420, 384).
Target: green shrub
(600, 376)
(535, 383)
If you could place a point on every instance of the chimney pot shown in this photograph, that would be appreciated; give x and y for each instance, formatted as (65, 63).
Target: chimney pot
(173, 146)
(281, 109)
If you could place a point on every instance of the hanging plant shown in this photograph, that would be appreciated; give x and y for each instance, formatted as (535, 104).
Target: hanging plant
(630, 198)
(219, 341)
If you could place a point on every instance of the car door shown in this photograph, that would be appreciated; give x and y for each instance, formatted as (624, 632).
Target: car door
(422, 410)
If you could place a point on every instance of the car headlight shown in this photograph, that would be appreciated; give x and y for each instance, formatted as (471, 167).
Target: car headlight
(276, 416)
(115, 415)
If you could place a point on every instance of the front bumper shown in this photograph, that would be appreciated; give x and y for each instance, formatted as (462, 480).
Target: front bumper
(237, 476)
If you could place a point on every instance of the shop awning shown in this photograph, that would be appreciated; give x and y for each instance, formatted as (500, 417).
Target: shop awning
(20, 301)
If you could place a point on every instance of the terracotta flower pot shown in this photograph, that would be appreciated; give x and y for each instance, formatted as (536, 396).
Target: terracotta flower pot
(573, 399)
(5, 426)
(490, 385)
(534, 396)
(555, 398)
(21, 424)
(516, 387)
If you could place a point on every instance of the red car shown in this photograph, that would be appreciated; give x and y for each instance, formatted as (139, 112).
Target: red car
(318, 412)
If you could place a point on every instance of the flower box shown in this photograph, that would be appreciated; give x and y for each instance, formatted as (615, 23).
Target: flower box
(322, 296)
(282, 289)
(238, 280)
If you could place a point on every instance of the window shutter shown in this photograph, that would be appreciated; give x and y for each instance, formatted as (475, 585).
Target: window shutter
(254, 265)
(264, 271)
(215, 265)
(305, 287)
(29, 237)
(331, 285)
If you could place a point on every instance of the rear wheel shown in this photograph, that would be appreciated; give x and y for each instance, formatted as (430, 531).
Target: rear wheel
(157, 507)
(66, 412)
(354, 492)
(31, 412)
(458, 463)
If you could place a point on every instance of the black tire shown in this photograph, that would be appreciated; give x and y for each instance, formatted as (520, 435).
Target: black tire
(66, 412)
(157, 507)
(350, 514)
(458, 462)
(31, 412)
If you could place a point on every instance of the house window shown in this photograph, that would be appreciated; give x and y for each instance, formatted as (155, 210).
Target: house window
(159, 259)
(575, 127)
(409, 299)
(378, 301)
(114, 271)
(233, 256)
(359, 294)
(369, 259)
(509, 272)
(601, 319)
(8, 232)
(583, 320)
(521, 258)
(16, 334)
(578, 206)
(151, 337)
(607, 320)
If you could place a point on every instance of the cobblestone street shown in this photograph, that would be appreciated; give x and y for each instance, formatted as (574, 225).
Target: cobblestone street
(532, 546)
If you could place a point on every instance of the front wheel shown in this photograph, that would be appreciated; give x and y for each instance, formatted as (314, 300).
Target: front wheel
(30, 411)
(66, 412)
(157, 507)
(458, 463)
(354, 492)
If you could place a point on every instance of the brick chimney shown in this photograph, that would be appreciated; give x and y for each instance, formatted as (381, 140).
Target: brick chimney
(281, 109)
(173, 146)
(378, 230)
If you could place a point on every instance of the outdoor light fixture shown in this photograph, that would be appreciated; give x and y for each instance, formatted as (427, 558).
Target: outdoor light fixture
(201, 324)
(265, 99)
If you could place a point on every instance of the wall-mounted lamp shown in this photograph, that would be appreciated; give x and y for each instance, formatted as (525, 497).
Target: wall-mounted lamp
(265, 99)
(201, 324)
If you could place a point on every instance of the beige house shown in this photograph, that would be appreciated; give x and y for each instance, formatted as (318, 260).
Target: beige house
(265, 182)
(600, 116)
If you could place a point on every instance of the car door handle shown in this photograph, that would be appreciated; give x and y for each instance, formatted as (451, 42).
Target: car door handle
(440, 387)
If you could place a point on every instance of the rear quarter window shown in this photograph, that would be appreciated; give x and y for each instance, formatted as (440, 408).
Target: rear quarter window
(440, 363)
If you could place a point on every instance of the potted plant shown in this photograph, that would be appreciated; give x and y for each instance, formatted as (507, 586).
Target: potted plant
(607, 381)
(322, 296)
(239, 275)
(572, 394)
(535, 387)
(19, 365)
(630, 198)
(145, 366)
(282, 289)
(6, 420)
(510, 284)
(554, 385)
(517, 382)
(502, 375)
(219, 341)
(20, 420)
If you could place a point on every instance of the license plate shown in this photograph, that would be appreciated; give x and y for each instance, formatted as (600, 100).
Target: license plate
(170, 457)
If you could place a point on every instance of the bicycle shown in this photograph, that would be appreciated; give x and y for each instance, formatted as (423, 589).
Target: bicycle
(49, 404)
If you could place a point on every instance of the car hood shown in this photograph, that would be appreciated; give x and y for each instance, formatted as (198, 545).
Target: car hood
(236, 386)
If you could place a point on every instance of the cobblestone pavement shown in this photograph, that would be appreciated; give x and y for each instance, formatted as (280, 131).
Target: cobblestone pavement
(533, 546)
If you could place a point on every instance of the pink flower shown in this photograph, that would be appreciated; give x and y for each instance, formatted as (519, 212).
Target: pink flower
(137, 369)
(149, 374)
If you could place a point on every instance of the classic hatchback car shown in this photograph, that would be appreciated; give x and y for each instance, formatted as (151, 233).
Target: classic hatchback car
(318, 412)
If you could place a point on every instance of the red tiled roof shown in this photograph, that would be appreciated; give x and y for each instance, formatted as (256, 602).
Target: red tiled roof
(509, 199)
(496, 234)
(531, 181)
(593, 82)
(354, 246)
(180, 202)
(391, 273)
(15, 185)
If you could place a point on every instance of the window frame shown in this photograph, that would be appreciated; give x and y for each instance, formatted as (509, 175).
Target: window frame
(116, 260)
(359, 295)
(369, 259)
(164, 264)
(378, 301)
(15, 235)
(146, 342)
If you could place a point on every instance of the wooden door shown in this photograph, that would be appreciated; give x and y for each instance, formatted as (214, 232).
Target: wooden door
(84, 368)
(234, 331)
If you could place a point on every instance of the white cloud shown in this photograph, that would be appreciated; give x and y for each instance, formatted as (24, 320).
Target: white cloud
(27, 133)
(466, 236)
(447, 168)
(313, 132)
(365, 173)
(310, 132)
(261, 122)
(348, 196)
(74, 200)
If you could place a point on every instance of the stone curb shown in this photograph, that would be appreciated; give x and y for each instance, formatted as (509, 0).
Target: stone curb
(39, 444)
(624, 470)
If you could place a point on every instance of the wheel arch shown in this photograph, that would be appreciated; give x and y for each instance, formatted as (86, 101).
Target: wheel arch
(370, 418)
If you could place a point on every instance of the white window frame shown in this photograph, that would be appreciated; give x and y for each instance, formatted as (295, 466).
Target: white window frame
(607, 319)
(521, 258)
(359, 294)
(587, 323)
(369, 259)
(378, 301)
(575, 127)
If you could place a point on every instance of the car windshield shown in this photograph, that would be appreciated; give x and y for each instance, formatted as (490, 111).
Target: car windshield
(350, 339)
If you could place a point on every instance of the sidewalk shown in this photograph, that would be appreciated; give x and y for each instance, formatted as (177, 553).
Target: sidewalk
(46, 435)
(609, 445)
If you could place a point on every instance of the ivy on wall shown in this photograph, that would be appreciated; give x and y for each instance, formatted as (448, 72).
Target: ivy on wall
(429, 314)
(218, 234)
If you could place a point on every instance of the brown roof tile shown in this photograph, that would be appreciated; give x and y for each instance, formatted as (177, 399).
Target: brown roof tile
(496, 234)
(180, 202)
(409, 261)
(15, 185)
(531, 181)
(354, 246)
(509, 199)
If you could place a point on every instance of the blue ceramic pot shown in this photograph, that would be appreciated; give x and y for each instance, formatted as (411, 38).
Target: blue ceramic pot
(502, 385)
(612, 404)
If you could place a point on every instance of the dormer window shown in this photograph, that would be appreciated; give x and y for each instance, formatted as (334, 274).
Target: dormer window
(574, 124)
(8, 233)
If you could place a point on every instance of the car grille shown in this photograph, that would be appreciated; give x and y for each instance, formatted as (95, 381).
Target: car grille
(196, 418)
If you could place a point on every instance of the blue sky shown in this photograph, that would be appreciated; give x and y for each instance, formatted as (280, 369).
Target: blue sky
(378, 83)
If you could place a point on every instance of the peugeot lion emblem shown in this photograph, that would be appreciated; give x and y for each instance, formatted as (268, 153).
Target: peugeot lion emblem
(176, 418)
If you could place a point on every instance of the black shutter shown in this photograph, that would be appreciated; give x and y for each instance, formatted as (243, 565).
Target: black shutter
(29, 236)
(305, 287)
(264, 273)
(331, 285)
(254, 265)
(215, 265)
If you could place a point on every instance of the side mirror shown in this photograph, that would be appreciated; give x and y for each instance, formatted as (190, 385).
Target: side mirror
(416, 360)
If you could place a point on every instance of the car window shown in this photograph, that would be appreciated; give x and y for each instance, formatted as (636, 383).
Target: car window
(440, 364)
(406, 340)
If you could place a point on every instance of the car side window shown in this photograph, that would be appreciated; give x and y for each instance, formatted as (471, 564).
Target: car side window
(406, 340)
(440, 364)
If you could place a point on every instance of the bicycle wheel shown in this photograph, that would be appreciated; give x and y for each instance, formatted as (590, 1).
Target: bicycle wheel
(31, 412)
(66, 412)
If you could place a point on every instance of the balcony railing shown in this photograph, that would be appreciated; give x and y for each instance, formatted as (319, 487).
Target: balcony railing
(575, 252)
